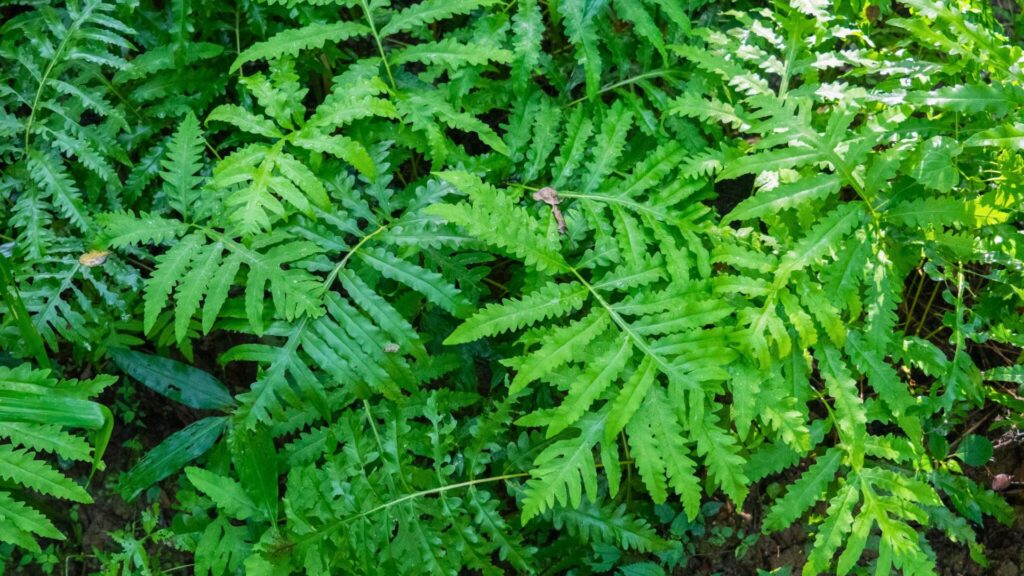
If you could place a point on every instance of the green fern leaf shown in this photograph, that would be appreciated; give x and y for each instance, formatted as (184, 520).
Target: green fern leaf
(785, 196)
(47, 438)
(125, 229)
(292, 42)
(769, 161)
(550, 301)
(820, 240)
(971, 98)
(694, 105)
(20, 522)
(494, 219)
(219, 286)
(561, 345)
(428, 12)
(884, 379)
(389, 319)
(244, 120)
(226, 493)
(805, 492)
(564, 470)
(657, 442)
(629, 399)
(838, 523)
(719, 449)
(18, 466)
(170, 268)
(582, 30)
(614, 129)
(183, 161)
(528, 35)
(52, 177)
(206, 261)
(452, 54)
(430, 284)
(850, 412)
(610, 525)
(577, 134)
(1007, 137)
(594, 380)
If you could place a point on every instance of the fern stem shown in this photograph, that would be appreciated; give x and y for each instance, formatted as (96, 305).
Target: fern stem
(57, 56)
(913, 304)
(380, 47)
(794, 39)
(329, 281)
(927, 309)
(840, 166)
(637, 339)
(635, 206)
(327, 529)
(626, 82)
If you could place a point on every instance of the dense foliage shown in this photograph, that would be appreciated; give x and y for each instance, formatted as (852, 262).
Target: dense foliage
(463, 285)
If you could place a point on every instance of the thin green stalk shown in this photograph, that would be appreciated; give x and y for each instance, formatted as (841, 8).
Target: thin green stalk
(328, 529)
(333, 526)
(927, 309)
(913, 305)
(337, 269)
(380, 47)
(637, 339)
(626, 82)
(791, 46)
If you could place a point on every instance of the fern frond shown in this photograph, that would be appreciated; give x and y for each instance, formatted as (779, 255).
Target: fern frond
(785, 196)
(608, 524)
(559, 346)
(430, 284)
(614, 128)
(582, 30)
(564, 470)
(56, 184)
(125, 229)
(183, 161)
(591, 384)
(719, 449)
(805, 492)
(22, 523)
(549, 301)
(292, 42)
(452, 54)
(657, 442)
(495, 219)
(820, 239)
(832, 532)
(20, 467)
(428, 12)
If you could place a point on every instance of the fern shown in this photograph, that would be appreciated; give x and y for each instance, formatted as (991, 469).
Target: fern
(37, 413)
(511, 287)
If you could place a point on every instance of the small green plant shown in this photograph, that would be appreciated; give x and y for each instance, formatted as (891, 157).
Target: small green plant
(39, 418)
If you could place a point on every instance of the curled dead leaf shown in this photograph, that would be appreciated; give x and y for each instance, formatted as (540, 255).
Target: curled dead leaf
(549, 196)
